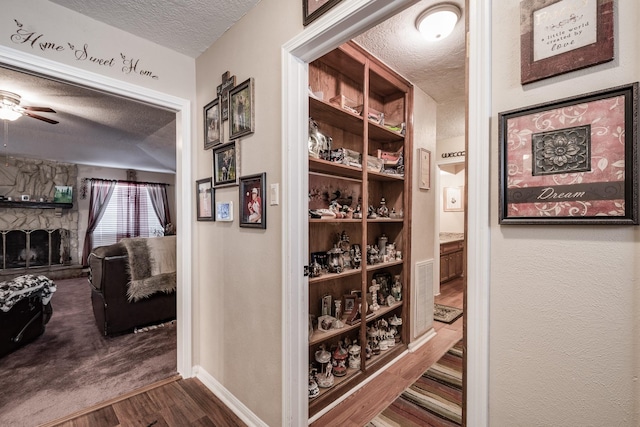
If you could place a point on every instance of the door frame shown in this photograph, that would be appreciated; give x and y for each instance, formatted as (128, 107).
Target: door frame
(182, 108)
(340, 24)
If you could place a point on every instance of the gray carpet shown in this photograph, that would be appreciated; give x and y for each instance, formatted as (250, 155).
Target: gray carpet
(72, 366)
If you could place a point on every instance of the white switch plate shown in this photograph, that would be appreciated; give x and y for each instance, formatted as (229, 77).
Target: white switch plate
(274, 194)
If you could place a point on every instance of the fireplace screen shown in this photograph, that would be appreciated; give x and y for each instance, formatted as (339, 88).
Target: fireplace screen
(34, 248)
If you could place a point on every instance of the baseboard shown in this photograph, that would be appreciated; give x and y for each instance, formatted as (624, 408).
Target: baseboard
(232, 402)
(414, 345)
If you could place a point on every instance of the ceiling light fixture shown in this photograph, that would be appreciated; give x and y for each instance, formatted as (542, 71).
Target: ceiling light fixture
(438, 21)
(10, 106)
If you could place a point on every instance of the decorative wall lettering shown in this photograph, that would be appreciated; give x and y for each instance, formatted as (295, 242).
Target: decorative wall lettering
(453, 154)
(38, 41)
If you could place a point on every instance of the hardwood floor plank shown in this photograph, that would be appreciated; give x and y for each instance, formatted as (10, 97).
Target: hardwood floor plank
(210, 404)
(105, 417)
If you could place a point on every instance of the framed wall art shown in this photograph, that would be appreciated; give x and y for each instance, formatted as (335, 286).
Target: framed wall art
(224, 211)
(62, 194)
(424, 169)
(253, 212)
(571, 161)
(241, 110)
(212, 124)
(205, 200)
(313, 9)
(453, 199)
(559, 36)
(225, 165)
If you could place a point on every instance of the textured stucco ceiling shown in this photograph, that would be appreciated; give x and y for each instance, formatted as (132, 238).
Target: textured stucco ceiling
(186, 26)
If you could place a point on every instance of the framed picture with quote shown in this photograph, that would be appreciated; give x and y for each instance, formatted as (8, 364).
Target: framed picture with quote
(559, 36)
(571, 161)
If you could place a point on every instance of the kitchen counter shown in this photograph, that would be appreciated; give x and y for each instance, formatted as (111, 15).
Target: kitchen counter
(451, 237)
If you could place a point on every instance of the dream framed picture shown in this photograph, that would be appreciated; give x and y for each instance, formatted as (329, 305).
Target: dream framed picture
(224, 211)
(212, 121)
(241, 110)
(571, 161)
(253, 212)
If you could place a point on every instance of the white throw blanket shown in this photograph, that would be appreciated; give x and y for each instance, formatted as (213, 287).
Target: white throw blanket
(152, 265)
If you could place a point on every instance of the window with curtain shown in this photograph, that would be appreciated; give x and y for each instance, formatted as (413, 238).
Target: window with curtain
(129, 213)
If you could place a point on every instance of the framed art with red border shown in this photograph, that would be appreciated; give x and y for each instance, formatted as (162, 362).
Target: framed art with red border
(559, 36)
(571, 161)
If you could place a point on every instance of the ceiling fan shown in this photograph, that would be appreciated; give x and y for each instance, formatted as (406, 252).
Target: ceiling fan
(10, 108)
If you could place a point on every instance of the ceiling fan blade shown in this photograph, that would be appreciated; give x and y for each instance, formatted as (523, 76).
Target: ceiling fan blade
(44, 119)
(42, 109)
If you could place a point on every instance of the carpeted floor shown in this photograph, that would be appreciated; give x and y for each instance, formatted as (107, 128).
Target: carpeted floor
(435, 399)
(72, 366)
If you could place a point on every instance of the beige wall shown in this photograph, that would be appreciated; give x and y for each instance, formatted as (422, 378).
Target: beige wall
(564, 300)
(238, 270)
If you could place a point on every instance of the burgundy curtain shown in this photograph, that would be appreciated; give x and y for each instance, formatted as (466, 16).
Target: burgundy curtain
(101, 192)
(160, 202)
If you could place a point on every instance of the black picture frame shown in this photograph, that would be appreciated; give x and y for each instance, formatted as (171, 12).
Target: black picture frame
(205, 200)
(212, 124)
(242, 110)
(313, 9)
(253, 211)
(571, 161)
(559, 36)
(226, 164)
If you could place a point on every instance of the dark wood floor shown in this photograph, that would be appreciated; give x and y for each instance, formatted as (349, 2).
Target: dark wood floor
(180, 402)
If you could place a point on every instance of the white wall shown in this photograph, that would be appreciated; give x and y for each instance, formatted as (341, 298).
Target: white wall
(564, 300)
(238, 270)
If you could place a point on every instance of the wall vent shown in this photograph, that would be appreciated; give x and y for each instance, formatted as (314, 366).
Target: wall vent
(423, 298)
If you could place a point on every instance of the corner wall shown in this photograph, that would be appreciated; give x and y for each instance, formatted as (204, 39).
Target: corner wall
(564, 300)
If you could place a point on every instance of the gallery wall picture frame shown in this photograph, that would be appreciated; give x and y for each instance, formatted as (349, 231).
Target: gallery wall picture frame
(559, 36)
(212, 124)
(205, 200)
(424, 169)
(313, 9)
(63, 194)
(224, 211)
(242, 110)
(253, 211)
(453, 199)
(226, 164)
(571, 161)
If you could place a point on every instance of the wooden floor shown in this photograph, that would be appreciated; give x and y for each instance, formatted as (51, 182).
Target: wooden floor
(180, 402)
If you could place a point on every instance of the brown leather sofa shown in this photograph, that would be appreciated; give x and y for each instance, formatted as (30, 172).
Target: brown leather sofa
(113, 312)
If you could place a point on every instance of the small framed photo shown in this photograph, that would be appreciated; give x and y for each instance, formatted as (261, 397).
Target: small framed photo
(25, 198)
(253, 212)
(225, 165)
(349, 303)
(205, 199)
(453, 199)
(313, 9)
(241, 110)
(212, 124)
(62, 194)
(224, 211)
(424, 171)
(559, 36)
(571, 161)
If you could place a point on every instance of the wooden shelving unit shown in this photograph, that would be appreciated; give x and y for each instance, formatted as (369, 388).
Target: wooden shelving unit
(351, 75)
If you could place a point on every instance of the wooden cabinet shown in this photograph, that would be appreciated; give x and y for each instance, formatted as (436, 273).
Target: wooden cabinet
(365, 109)
(451, 260)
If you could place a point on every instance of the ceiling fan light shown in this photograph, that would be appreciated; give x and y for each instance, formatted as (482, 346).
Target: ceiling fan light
(7, 113)
(437, 22)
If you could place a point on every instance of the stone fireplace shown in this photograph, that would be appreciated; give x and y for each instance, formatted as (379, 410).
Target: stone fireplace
(36, 236)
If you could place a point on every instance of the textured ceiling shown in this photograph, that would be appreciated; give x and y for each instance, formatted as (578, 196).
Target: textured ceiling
(104, 130)
(186, 26)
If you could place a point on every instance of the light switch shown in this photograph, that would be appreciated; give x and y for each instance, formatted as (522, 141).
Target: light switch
(274, 194)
